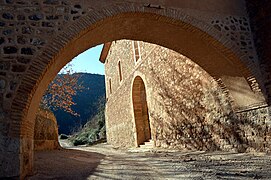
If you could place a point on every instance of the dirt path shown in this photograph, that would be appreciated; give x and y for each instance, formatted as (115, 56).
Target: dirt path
(104, 162)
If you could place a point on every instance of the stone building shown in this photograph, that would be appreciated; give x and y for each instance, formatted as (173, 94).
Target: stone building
(154, 93)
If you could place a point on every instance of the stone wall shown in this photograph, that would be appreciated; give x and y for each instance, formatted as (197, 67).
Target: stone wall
(188, 109)
(255, 125)
(119, 110)
(46, 131)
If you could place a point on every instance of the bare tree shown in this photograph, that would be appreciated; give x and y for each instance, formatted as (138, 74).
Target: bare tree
(61, 91)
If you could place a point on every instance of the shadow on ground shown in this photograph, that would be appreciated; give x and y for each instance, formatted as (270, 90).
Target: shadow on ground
(102, 161)
(65, 164)
(196, 166)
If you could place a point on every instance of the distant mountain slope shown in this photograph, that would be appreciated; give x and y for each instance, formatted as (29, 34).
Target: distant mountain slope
(86, 103)
(94, 131)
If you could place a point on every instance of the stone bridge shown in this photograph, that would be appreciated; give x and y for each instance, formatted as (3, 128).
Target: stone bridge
(225, 37)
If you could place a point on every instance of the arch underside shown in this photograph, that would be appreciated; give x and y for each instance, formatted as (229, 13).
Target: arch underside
(173, 34)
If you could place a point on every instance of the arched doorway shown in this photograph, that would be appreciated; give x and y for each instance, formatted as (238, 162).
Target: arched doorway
(141, 114)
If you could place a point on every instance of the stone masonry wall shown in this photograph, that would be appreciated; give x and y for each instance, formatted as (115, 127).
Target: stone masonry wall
(119, 110)
(46, 131)
(255, 125)
(188, 110)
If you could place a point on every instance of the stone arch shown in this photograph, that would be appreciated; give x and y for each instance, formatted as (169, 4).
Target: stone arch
(56, 55)
(167, 27)
(141, 115)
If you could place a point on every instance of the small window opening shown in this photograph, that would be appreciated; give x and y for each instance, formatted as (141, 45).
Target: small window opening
(120, 74)
(136, 50)
(110, 86)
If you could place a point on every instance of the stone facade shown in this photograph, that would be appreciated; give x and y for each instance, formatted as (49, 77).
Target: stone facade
(187, 108)
(255, 125)
(46, 131)
(37, 38)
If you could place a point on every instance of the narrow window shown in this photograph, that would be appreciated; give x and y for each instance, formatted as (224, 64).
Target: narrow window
(136, 50)
(110, 86)
(120, 74)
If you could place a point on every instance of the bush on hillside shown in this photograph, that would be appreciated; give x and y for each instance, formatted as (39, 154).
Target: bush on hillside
(94, 130)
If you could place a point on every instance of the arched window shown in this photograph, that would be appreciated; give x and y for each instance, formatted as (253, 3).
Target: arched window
(120, 73)
(136, 50)
(110, 86)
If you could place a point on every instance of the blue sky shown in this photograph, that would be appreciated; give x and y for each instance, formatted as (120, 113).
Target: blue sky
(88, 61)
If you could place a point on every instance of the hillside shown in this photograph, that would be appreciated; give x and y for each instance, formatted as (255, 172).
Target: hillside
(94, 130)
(86, 103)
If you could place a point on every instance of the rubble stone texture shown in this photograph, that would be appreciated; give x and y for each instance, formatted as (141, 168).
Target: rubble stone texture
(46, 131)
(37, 38)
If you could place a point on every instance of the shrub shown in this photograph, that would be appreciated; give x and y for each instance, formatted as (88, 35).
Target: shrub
(93, 131)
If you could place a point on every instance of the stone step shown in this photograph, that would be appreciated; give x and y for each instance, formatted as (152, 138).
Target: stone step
(149, 142)
(147, 145)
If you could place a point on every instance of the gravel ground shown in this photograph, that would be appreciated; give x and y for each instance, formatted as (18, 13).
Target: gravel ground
(104, 162)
